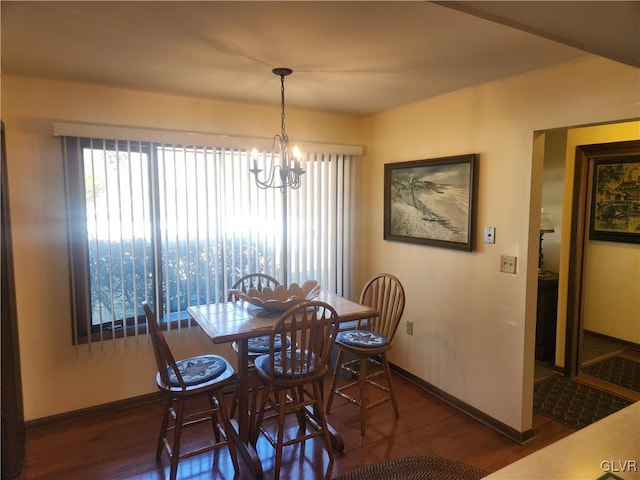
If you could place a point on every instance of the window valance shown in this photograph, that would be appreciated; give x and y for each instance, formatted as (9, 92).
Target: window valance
(177, 137)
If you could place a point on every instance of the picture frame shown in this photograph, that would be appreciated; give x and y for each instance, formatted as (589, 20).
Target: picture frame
(432, 201)
(615, 199)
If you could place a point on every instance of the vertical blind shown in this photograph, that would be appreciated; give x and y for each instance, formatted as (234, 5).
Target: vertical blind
(177, 225)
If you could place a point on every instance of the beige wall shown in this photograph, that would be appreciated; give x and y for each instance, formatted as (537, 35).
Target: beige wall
(473, 326)
(612, 281)
(612, 290)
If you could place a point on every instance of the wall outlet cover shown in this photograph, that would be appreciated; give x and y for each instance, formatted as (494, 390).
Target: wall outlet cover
(489, 234)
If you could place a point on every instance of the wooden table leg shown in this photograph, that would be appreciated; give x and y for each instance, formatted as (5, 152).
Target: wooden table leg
(243, 390)
(243, 433)
(336, 439)
(248, 453)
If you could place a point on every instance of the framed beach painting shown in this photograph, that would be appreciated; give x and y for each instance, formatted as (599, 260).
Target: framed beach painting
(431, 202)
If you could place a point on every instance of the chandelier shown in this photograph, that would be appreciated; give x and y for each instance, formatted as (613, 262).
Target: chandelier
(287, 173)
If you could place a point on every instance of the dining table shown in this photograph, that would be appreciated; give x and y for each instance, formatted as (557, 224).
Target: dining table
(238, 321)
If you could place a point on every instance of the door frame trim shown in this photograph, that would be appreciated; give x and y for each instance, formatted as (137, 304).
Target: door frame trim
(579, 211)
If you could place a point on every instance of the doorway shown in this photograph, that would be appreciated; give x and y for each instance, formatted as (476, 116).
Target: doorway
(583, 346)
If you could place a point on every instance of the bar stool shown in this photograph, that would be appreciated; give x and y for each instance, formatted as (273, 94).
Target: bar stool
(183, 380)
(368, 347)
(287, 374)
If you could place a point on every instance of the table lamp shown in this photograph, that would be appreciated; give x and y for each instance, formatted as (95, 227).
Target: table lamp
(546, 226)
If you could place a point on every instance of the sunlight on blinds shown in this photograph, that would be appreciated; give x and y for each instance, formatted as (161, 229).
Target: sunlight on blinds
(177, 225)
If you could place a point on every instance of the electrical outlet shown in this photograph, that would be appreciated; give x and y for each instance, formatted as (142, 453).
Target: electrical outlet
(508, 263)
(409, 328)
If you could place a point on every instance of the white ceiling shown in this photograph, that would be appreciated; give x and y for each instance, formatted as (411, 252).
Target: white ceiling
(353, 57)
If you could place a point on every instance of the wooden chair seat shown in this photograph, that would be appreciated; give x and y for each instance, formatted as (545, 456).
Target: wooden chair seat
(199, 371)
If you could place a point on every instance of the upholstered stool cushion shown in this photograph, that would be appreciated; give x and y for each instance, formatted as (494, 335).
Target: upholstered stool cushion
(197, 370)
(263, 363)
(261, 344)
(361, 338)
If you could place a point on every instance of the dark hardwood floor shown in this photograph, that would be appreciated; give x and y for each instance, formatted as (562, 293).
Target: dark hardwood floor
(121, 445)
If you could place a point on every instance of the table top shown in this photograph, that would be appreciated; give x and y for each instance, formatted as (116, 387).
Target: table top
(226, 322)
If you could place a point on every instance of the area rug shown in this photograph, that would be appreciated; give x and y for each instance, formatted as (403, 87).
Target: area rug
(416, 468)
(617, 370)
(573, 403)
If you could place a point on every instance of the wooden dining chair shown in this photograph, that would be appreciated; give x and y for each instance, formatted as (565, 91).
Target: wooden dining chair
(256, 345)
(367, 348)
(292, 377)
(205, 375)
(259, 281)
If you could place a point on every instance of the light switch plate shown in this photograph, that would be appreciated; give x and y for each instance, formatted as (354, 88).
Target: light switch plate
(508, 263)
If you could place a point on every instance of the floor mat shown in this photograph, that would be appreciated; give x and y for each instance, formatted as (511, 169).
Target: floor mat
(416, 468)
(617, 370)
(573, 403)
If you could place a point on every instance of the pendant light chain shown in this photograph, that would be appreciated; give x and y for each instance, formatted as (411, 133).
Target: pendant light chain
(284, 134)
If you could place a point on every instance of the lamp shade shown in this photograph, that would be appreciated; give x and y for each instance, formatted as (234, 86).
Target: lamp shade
(546, 225)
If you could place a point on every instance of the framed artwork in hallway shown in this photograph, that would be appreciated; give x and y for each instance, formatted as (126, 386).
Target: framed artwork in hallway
(615, 199)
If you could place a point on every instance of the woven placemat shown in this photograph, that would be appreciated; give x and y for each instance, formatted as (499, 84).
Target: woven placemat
(416, 468)
(573, 403)
(617, 370)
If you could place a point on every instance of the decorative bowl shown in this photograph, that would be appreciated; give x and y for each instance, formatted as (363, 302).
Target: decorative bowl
(280, 298)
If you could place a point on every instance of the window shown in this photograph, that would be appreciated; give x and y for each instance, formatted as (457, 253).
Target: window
(177, 225)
